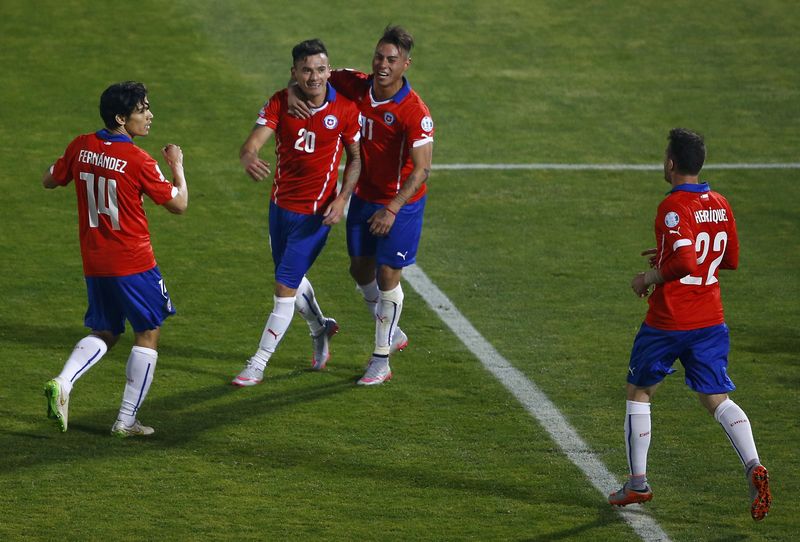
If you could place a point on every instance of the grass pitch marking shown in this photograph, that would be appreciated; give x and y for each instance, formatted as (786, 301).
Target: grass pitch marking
(610, 167)
(534, 400)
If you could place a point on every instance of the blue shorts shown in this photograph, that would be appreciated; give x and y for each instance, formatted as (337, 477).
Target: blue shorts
(142, 299)
(296, 240)
(399, 248)
(703, 353)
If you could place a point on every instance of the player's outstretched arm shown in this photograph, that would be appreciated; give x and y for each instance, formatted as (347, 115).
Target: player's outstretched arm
(255, 167)
(352, 170)
(174, 156)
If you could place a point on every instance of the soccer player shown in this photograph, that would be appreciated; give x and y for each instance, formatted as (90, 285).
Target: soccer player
(304, 202)
(384, 221)
(111, 176)
(695, 237)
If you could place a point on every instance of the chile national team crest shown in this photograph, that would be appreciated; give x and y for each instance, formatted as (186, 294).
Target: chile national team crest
(388, 118)
(330, 122)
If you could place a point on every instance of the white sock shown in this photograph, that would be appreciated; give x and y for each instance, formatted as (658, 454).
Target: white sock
(86, 353)
(637, 440)
(306, 304)
(371, 296)
(140, 369)
(390, 306)
(277, 324)
(736, 425)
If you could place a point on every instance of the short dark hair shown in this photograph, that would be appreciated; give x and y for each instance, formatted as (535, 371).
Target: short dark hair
(399, 37)
(687, 150)
(308, 48)
(121, 99)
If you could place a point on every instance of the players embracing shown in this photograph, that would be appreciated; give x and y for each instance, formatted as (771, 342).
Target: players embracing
(384, 221)
(304, 203)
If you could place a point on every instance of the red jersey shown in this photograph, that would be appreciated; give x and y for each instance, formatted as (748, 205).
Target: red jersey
(390, 129)
(111, 175)
(309, 150)
(696, 231)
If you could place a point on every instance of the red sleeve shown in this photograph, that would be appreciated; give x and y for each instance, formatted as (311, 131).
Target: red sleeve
(271, 112)
(419, 127)
(349, 83)
(682, 262)
(62, 169)
(731, 258)
(154, 184)
(352, 130)
(676, 255)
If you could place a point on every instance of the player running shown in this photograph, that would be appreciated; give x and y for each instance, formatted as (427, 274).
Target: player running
(304, 202)
(695, 237)
(111, 176)
(384, 221)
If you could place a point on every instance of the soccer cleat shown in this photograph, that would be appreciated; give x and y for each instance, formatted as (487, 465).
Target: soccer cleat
(119, 429)
(626, 495)
(57, 403)
(378, 372)
(760, 496)
(320, 344)
(399, 341)
(250, 376)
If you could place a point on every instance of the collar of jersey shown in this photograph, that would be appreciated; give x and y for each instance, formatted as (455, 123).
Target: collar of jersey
(330, 97)
(109, 136)
(690, 187)
(397, 98)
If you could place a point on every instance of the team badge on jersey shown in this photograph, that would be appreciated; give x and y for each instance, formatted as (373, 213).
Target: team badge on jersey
(671, 219)
(388, 118)
(330, 122)
(427, 124)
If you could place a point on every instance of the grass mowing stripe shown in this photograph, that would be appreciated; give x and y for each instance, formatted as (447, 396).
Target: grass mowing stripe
(533, 399)
(610, 167)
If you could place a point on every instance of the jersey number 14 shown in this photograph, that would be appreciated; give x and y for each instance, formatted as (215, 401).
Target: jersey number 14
(101, 198)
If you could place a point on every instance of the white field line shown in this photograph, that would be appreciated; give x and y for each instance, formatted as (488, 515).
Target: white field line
(611, 167)
(605, 167)
(535, 402)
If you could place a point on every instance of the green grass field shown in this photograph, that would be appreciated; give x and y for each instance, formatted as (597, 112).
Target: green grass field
(539, 261)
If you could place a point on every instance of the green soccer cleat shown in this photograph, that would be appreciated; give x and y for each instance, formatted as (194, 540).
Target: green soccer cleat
(57, 403)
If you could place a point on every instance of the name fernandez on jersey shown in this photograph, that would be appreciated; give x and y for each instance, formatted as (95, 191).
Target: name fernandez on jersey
(102, 160)
(710, 215)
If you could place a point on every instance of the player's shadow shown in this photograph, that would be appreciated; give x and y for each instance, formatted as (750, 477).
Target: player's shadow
(181, 416)
(605, 516)
(64, 337)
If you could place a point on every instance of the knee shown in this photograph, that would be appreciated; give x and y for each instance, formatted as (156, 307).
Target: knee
(107, 337)
(362, 271)
(147, 338)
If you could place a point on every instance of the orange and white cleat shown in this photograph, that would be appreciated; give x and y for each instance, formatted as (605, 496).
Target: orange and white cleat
(627, 495)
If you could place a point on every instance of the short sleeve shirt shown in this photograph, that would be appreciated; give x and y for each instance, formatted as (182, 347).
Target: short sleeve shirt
(390, 129)
(111, 177)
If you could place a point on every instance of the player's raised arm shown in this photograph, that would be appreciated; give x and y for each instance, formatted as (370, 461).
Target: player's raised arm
(254, 166)
(180, 201)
